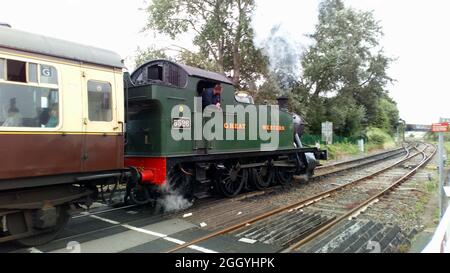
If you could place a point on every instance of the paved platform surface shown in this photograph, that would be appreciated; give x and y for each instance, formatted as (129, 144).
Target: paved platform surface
(135, 231)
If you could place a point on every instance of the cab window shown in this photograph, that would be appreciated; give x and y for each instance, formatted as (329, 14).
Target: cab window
(162, 73)
(155, 73)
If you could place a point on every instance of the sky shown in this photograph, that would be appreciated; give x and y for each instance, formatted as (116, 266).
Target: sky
(416, 34)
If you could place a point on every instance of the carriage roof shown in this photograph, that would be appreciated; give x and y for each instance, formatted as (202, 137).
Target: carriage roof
(34, 43)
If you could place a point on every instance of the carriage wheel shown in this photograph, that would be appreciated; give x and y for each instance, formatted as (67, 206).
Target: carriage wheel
(16, 224)
(262, 177)
(284, 176)
(231, 179)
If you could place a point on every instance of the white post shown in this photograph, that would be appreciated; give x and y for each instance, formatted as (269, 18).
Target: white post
(361, 145)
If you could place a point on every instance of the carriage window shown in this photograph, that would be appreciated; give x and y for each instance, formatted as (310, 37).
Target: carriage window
(28, 106)
(16, 71)
(99, 101)
(32, 73)
(2, 69)
(48, 74)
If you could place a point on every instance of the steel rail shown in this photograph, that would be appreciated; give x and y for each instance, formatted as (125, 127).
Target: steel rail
(358, 159)
(357, 166)
(363, 205)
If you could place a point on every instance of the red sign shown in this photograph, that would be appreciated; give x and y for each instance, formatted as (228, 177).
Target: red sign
(440, 127)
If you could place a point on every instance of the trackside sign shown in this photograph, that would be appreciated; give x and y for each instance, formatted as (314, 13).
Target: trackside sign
(442, 127)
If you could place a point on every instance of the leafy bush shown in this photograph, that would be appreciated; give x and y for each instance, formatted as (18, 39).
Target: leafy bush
(378, 137)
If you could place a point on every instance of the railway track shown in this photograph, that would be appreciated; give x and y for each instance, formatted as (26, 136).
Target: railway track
(275, 226)
(350, 203)
(338, 167)
(256, 209)
(217, 213)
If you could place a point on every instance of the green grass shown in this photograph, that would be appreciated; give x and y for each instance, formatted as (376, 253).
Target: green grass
(378, 139)
(447, 149)
(437, 215)
(420, 207)
(431, 186)
(340, 149)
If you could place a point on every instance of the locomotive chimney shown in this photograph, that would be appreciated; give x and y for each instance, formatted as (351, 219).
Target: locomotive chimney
(283, 102)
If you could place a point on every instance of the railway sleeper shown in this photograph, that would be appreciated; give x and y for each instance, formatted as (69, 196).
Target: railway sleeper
(295, 235)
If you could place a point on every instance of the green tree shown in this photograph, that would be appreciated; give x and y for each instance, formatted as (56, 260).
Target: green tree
(347, 116)
(223, 34)
(345, 53)
(387, 115)
(150, 53)
(347, 67)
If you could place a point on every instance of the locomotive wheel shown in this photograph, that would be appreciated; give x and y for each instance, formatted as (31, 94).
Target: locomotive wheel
(182, 184)
(284, 176)
(262, 177)
(231, 179)
(16, 224)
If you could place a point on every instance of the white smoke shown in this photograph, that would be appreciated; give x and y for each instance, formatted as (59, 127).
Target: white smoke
(284, 56)
(282, 35)
(172, 200)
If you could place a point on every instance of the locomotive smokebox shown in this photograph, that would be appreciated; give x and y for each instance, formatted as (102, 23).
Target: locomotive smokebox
(299, 124)
(283, 103)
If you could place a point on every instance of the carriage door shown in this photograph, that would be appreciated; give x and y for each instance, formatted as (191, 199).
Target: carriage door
(102, 139)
